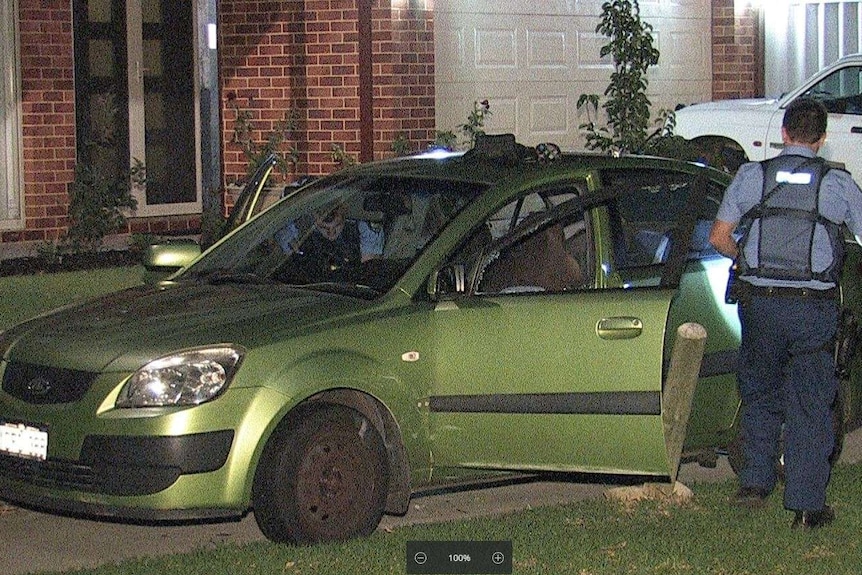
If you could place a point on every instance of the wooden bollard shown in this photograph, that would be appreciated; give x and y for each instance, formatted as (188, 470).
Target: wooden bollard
(685, 359)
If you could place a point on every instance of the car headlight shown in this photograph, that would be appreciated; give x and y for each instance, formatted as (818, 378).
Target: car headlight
(190, 377)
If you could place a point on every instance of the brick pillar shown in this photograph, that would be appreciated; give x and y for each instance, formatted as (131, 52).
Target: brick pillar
(305, 56)
(48, 122)
(737, 58)
(404, 79)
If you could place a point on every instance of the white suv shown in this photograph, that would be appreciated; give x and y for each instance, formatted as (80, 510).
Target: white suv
(730, 132)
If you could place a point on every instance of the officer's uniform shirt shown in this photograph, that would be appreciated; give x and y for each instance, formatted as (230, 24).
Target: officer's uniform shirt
(370, 238)
(840, 202)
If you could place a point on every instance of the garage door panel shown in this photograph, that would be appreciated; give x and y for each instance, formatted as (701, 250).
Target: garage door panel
(496, 48)
(666, 94)
(533, 60)
(685, 53)
(548, 115)
(546, 49)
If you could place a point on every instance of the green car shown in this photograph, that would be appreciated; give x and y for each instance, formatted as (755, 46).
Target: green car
(394, 325)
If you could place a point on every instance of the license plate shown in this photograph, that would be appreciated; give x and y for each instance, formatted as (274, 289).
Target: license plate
(23, 441)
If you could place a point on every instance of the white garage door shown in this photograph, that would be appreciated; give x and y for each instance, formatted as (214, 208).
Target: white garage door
(532, 59)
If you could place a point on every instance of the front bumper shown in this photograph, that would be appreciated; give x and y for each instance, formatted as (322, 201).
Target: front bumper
(147, 464)
(117, 466)
(124, 465)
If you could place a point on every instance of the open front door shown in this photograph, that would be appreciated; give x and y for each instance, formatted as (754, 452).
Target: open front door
(556, 357)
(562, 382)
(547, 363)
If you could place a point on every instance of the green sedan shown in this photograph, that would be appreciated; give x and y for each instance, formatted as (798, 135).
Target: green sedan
(394, 325)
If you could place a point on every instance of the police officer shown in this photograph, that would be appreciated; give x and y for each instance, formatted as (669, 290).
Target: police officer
(780, 220)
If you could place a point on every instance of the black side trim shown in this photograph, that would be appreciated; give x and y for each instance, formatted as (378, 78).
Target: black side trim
(598, 403)
(195, 453)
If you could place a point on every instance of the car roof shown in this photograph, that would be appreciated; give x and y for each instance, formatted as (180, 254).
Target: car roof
(495, 170)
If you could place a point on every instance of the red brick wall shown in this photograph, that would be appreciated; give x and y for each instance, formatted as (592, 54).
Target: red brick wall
(404, 89)
(48, 122)
(258, 51)
(303, 56)
(330, 76)
(735, 61)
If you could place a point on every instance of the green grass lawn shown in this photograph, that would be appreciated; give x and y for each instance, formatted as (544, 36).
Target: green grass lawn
(706, 536)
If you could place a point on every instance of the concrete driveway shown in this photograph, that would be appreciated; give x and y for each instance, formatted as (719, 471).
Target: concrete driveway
(36, 542)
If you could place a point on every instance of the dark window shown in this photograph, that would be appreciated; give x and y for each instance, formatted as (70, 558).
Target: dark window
(840, 91)
(534, 244)
(136, 97)
(645, 216)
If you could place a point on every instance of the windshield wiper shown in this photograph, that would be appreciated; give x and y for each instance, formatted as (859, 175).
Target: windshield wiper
(220, 277)
(342, 288)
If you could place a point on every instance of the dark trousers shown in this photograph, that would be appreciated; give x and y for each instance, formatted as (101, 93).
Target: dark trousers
(787, 376)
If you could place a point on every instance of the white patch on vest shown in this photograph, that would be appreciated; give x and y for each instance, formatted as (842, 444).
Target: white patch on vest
(800, 178)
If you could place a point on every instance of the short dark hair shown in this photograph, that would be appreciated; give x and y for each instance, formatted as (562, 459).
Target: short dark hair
(805, 120)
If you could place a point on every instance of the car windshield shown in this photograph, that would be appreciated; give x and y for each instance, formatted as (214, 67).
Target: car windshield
(348, 234)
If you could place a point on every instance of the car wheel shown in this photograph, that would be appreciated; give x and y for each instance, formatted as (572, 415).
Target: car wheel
(323, 476)
(736, 458)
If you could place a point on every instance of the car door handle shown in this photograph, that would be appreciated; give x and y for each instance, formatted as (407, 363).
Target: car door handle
(856, 130)
(621, 327)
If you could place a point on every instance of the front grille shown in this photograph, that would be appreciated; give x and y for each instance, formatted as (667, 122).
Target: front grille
(73, 475)
(45, 385)
(51, 474)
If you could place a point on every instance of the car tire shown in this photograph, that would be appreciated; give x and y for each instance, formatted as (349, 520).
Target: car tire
(323, 476)
(736, 457)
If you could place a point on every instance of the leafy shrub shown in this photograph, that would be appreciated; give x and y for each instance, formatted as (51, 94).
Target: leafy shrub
(97, 203)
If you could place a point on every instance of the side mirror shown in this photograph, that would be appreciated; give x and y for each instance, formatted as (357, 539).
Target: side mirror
(162, 259)
(449, 280)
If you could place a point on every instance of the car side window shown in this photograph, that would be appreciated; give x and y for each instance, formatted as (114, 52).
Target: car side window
(645, 216)
(536, 243)
(840, 91)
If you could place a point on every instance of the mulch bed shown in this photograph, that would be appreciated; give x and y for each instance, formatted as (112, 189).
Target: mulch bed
(68, 262)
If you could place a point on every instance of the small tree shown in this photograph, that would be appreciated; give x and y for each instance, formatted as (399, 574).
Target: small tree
(626, 106)
(97, 204)
(276, 141)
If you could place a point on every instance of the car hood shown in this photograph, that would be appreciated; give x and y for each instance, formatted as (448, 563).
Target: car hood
(125, 330)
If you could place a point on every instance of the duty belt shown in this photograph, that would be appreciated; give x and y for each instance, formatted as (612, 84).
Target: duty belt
(775, 291)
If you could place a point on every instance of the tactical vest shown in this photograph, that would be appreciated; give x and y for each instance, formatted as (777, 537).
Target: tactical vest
(787, 217)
